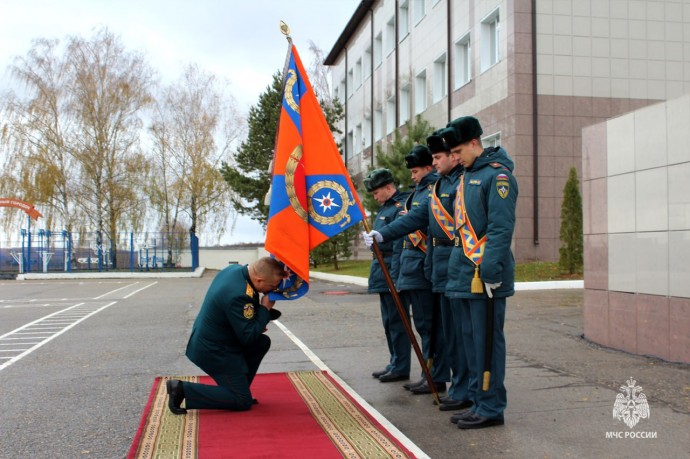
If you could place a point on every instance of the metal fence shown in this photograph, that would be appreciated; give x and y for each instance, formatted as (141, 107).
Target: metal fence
(61, 251)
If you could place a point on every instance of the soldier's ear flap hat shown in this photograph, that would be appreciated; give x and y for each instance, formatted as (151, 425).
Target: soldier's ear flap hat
(419, 156)
(450, 139)
(377, 178)
(466, 128)
(436, 144)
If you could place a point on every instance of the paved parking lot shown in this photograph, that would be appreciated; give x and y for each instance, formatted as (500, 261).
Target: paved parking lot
(81, 393)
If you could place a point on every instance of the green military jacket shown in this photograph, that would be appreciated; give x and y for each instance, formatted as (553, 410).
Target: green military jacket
(391, 249)
(231, 319)
(413, 273)
(490, 199)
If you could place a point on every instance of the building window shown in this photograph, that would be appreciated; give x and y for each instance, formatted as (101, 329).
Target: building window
(440, 81)
(390, 114)
(390, 36)
(490, 29)
(350, 81)
(420, 92)
(462, 61)
(366, 132)
(419, 10)
(378, 124)
(358, 73)
(349, 144)
(404, 20)
(358, 139)
(404, 104)
(378, 50)
(493, 140)
(342, 89)
(367, 63)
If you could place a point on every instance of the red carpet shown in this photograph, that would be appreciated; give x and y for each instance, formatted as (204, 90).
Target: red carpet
(299, 415)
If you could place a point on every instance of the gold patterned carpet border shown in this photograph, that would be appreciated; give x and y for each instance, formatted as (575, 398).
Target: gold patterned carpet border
(166, 435)
(345, 424)
(343, 420)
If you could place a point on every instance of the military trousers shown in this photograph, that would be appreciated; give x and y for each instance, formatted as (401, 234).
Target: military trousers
(490, 403)
(233, 389)
(426, 315)
(398, 340)
(454, 348)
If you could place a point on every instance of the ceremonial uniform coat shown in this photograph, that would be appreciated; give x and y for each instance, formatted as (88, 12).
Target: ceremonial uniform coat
(490, 197)
(414, 279)
(397, 339)
(228, 341)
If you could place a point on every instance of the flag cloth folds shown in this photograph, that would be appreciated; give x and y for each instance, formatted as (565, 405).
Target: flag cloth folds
(312, 196)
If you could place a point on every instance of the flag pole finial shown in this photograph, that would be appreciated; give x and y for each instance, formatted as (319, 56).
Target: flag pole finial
(284, 29)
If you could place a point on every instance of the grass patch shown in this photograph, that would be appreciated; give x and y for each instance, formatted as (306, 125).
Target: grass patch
(359, 268)
(533, 271)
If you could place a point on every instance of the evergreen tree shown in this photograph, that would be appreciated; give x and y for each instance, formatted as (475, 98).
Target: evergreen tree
(336, 248)
(571, 226)
(394, 158)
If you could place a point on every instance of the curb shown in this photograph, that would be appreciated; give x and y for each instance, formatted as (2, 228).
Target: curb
(112, 275)
(547, 285)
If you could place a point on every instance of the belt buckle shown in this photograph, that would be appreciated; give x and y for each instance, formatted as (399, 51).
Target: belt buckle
(457, 241)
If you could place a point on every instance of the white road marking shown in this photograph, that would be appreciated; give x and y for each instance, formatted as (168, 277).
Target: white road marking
(414, 449)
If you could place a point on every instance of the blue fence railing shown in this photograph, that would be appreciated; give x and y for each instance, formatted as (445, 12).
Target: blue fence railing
(52, 251)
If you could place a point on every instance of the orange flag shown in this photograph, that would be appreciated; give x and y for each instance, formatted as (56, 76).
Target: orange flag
(312, 196)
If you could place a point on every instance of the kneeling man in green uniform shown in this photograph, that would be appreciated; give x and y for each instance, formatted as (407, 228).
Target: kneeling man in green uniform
(228, 340)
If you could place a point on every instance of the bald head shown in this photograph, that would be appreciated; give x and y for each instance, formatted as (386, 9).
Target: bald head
(266, 274)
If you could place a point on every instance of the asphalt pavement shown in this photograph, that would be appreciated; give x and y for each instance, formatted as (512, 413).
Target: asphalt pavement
(81, 394)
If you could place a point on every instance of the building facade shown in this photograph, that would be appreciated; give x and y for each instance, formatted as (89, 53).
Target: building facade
(535, 73)
(637, 231)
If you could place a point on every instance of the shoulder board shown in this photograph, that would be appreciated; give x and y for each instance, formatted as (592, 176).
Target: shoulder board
(495, 165)
(249, 291)
(397, 204)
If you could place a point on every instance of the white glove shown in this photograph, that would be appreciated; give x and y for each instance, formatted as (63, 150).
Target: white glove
(371, 236)
(490, 287)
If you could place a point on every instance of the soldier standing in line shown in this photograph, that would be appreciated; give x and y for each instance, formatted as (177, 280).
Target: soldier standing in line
(379, 183)
(414, 278)
(481, 268)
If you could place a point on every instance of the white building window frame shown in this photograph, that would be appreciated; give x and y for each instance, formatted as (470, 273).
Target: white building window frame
(350, 83)
(390, 36)
(366, 132)
(378, 49)
(440, 78)
(358, 73)
(358, 139)
(404, 104)
(490, 40)
(420, 94)
(492, 140)
(463, 61)
(390, 114)
(419, 10)
(378, 124)
(403, 19)
(366, 63)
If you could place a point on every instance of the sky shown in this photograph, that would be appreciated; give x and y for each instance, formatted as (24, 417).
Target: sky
(237, 40)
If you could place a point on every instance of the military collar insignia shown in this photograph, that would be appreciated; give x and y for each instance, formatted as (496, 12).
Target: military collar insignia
(248, 311)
